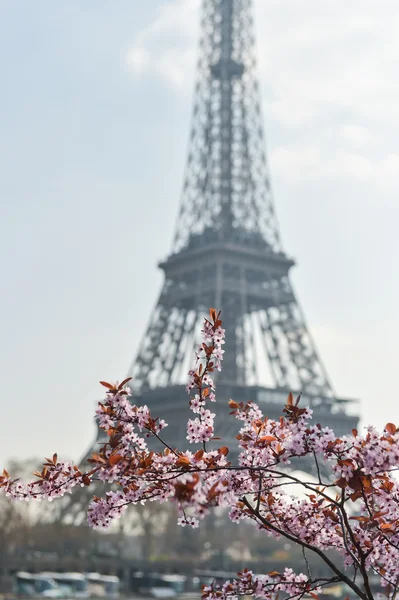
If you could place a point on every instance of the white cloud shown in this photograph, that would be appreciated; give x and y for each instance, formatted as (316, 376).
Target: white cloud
(356, 135)
(167, 47)
(328, 60)
(139, 60)
(307, 163)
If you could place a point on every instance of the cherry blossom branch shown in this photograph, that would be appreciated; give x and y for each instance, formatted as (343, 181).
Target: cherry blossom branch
(361, 522)
(323, 556)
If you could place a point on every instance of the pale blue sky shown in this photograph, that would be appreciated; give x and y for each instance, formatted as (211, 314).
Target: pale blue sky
(94, 116)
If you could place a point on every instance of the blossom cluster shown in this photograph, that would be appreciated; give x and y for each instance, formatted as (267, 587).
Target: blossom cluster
(56, 479)
(263, 586)
(209, 357)
(352, 506)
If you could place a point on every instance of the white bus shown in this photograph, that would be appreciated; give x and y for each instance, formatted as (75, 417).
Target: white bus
(36, 586)
(74, 585)
(103, 586)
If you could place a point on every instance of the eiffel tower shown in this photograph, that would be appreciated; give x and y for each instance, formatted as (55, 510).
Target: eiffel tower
(227, 253)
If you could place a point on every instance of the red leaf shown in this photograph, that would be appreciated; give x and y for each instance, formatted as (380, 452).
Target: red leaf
(224, 450)
(199, 454)
(97, 458)
(107, 385)
(114, 459)
(268, 439)
(390, 428)
(331, 515)
(123, 383)
(183, 461)
(290, 399)
(379, 514)
(354, 432)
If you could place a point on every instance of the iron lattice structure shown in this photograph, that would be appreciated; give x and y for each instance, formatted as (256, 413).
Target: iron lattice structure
(227, 250)
(227, 253)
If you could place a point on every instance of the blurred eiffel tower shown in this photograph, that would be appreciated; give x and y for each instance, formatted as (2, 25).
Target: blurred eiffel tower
(227, 253)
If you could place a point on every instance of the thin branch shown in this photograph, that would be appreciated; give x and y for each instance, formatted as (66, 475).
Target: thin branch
(317, 467)
(307, 563)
